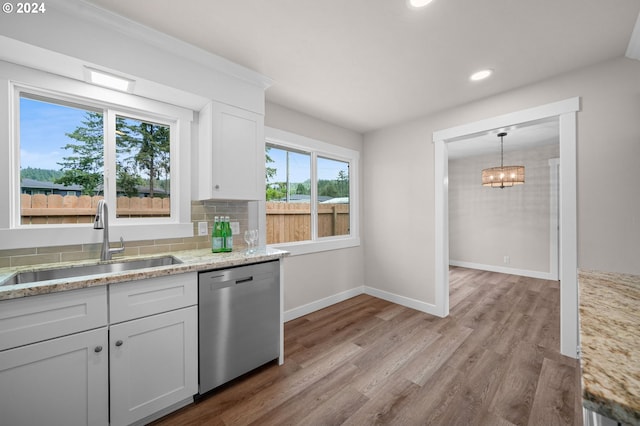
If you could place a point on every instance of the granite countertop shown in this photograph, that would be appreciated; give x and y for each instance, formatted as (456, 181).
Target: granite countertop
(192, 261)
(610, 344)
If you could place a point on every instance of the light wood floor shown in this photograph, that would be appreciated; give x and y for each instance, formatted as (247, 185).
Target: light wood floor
(494, 361)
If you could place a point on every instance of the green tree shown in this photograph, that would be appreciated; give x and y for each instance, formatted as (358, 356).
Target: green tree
(342, 183)
(42, 175)
(276, 191)
(301, 189)
(270, 172)
(143, 148)
(85, 166)
(327, 188)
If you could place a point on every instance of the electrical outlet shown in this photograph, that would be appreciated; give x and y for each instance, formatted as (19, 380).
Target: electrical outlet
(507, 260)
(235, 228)
(203, 228)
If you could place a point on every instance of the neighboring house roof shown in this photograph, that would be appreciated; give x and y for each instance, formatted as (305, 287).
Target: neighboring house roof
(36, 184)
(302, 198)
(337, 200)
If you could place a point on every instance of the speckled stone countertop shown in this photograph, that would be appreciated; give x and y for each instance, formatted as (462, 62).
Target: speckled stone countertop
(610, 343)
(192, 261)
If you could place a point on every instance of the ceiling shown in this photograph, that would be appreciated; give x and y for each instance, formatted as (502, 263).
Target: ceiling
(523, 136)
(367, 64)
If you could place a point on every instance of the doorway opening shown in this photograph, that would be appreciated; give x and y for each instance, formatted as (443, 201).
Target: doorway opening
(565, 111)
(511, 230)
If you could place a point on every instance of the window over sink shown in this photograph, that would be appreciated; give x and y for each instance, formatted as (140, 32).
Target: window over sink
(72, 143)
(63, 147)
(311, 193)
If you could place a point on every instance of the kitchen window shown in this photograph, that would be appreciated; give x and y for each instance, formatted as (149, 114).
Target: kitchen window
(311, 193)
(70, 148)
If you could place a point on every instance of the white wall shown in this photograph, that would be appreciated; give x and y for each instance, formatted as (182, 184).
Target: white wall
(487, 224)
(399, 177)
(315, 277)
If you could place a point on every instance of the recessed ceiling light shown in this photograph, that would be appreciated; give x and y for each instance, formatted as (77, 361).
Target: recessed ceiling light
(418, 3)
(102, 78)
(480, 75)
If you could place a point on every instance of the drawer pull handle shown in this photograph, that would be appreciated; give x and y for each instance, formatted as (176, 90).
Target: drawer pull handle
(98, 349)
(119, 343)
(244, 280)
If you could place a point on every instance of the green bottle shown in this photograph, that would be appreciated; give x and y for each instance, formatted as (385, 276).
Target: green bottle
(217, 243)
(228, 234)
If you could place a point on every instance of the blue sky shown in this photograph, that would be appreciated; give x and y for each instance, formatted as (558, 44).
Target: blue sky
(43, 128)
(299, 167)
(42, 132)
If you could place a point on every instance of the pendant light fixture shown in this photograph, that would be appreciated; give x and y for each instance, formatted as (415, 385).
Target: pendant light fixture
(503, 176)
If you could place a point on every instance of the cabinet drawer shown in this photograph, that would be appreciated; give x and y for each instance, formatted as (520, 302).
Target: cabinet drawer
(141, 298)
(37, 318)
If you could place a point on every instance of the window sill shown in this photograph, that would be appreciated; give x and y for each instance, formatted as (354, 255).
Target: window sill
(307, 247)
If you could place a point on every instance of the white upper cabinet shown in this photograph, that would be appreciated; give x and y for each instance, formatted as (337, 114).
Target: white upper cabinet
(230, 154)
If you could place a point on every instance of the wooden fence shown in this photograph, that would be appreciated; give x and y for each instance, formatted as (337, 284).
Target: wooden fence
(47, 209)
(287, 222)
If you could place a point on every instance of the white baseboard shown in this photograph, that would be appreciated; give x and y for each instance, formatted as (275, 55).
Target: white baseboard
(321, 304)
(294, 313)
(503, 270)
(402, 300)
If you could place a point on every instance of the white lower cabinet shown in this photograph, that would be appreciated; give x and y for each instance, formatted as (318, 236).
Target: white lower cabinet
(154, 364)
(62, 381)
(92, 357)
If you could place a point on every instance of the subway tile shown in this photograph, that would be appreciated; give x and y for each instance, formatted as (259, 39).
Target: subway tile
(157, 249)
(35, 259)
(59, 249)
(18, 252)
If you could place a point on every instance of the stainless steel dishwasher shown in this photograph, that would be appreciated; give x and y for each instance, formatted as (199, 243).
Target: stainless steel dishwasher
(239, 321)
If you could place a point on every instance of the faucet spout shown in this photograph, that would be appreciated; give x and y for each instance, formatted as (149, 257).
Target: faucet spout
(101, 221)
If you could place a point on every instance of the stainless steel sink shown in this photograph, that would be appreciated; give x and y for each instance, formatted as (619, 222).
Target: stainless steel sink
(86, 270)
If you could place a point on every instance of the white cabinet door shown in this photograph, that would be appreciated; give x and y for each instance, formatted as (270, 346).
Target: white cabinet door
(154, 364)
(62, 381)
(231, 155)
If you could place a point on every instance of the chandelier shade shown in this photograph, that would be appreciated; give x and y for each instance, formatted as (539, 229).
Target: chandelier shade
(502, 176)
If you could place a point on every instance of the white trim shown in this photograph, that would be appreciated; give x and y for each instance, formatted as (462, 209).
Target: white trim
(282, 313)
(134, 30)
(569, 335)
(316, 305)
(532, 114)
(633, 49)
(503, 269)
(554, 222)
(303, 310)
(566, 110)
(441, 170)
(13, 235)
(402, 300)
(306, 247)
(319, 148)
(303, 143)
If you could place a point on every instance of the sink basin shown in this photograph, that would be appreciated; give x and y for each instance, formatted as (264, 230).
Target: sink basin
(85, 270)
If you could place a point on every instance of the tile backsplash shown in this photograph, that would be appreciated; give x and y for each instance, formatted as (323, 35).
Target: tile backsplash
(201, 211)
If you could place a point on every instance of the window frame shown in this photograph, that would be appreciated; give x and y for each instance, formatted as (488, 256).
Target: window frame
(15, 79)
(294, 142)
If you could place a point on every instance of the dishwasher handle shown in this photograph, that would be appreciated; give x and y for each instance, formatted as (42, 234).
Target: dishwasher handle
(244, 280)
(220, 281)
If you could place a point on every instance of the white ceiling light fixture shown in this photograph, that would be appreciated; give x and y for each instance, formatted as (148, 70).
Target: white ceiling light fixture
(481, 75)
(418, 3)
(105, 79)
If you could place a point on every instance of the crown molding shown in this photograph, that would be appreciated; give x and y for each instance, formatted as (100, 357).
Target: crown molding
(92, 13)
